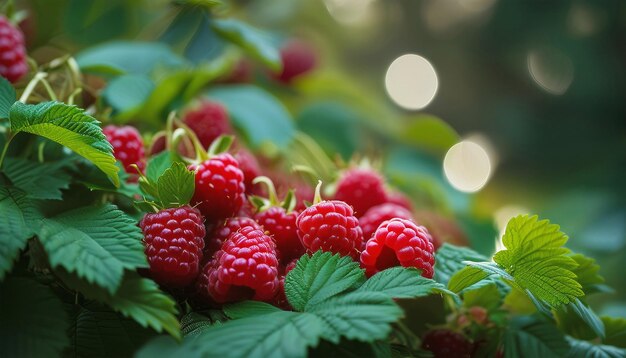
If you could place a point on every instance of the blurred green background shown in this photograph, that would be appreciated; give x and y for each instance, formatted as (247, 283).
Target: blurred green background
(539, 85)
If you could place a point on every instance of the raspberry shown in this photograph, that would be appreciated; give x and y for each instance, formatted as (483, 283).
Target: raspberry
(282, 226)
(445, 343)
(399, 242)
(398, 198)
(361, 188)
(209, 120)
(12, 51)
(298, 58)
(174, 239)
(219, 187)
(330, 226)
(216, 237)
(250, 168)
(127, 146)
(244, 268)
(378, 214)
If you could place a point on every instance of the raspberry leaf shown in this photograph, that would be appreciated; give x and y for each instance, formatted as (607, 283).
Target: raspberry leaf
(400, 282)
(39, 180)
(531, 337)
(466, 277)
(33, 322)
(587, 274)
(580, 348)
(449, 260)
(96, 243)
(176, 186)
(579, 320)
(248, 308)
(18, 220)
(537, 260)
(158, 164)
(615, 331)
(69, 126)
(319, 277)
(7, 97)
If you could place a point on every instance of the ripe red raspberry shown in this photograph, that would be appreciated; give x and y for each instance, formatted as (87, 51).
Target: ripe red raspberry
(250, 168)
(398, 198)
(362, 189)
(209, 120)
(216, 238)
(174, 239)
(127, 146)
(244, 268)
(298, 58)
(12, 51)
(378, 214)
(282, 227)
(445, 343)
(330, 226)
(399, 242)
(219, 187)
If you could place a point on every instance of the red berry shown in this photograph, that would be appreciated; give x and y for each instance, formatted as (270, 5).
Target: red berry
(127, 146)
(174, 239)
(298, 58)
(209, 120)
(217, 237)
(330, 226)
(399, 242)
(445, 343)
(282, 227)
(244, 268)
(12, 51)
(378, 214)
(250, 168)
(361, 188)
(398, 198)
(219, 187)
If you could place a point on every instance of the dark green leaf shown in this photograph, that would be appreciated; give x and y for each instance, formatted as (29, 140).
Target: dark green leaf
(38, 180)
(126, 94)
(615, 331)
(400, 282)
(529, 337)
(33, 322)
(320, 277)
(256, 43)
(7, 97)
(577, 319)
(449, 259)
(584, 349)
(194, 323)
(176, 186)
(165, 346)
(248, 308)
(158, 164)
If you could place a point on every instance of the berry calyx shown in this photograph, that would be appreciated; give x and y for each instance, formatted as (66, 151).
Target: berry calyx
(13, 64)
(127, 146)
(174, 239)
(399, 242)
(445, 343)
(244, 268)
(208, 120)
(362, 189)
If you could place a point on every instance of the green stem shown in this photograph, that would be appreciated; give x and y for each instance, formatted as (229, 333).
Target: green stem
(31, 86)
(5, 149)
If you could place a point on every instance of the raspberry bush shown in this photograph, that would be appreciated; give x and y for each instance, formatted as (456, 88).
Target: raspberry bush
(137, 217)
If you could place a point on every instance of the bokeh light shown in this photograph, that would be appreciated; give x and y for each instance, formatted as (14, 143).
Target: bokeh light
(467, 166)
(551, 69)
(411, 81)
(350, 12)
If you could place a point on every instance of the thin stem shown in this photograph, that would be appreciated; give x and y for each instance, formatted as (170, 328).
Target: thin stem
(5, 149)
(49, 89)
(31, 86)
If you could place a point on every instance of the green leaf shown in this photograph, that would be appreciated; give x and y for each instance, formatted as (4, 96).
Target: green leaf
(38, 180)
(19, 219)
(194, 323)
(7, 97)
(138, 298)
(587, 273)
(127, 57)
(486, 296)
(320, 277)
(68, 126)
(166, 346)
(248, 308)
(255, 42)
(97, 243)
(615, 331)
(126, 94)
(577, 319)
(529, 337)
(518, 302)
(33, 322)
(400, 282)
(175, 186)
(363, 316)
(465, 278)
(158, 164)
(449, 259)
(537, 260)
(584, 349)
(430, 133)
(259, 115)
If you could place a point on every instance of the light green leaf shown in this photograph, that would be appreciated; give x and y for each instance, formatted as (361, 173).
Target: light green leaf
(7, 97)
(248, 309)
(449, 259)
(320, 277)
(584, 349)
(126, 94)
(537, 260)
(486, 296)
(400, 282)
(587, 273)
(68, 126)
(97, 243)
(38, 180)
(465, 278)
(175, 186)
(429, 132)
(19, 219)
(259, 115)
(529, 337)
(364, 316)
(33, 322)
(158, 164)
(255, 42)
(615, 331)
(137, 298)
